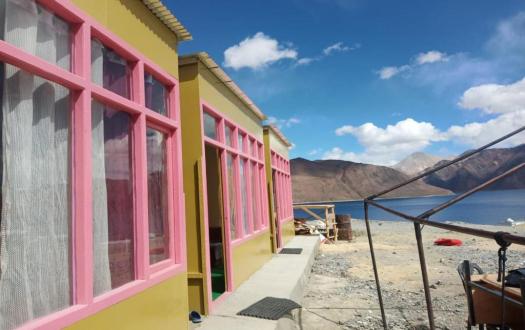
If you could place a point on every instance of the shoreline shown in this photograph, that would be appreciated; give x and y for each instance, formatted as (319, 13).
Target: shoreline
(396, 198)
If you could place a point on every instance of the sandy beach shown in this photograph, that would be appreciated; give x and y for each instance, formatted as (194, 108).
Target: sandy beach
(341, 292)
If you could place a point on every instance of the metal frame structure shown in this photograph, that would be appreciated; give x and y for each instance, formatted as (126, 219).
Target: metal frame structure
(504, 239)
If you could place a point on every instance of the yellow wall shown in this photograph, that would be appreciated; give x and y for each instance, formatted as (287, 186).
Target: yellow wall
(198, 83)
(192, 172)
(132, 21)
(277, 144)
(288, 231)
(269, 187)
(249, 256)
(164, 306)
(213, 91)
(273, 142)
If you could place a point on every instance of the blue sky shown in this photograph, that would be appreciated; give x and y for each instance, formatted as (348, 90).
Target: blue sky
(371, 81)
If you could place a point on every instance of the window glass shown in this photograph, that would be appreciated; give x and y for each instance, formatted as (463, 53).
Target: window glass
(255, 195)
(109, 70)
(113, 255)
(244, 201)
(210, 126)
(229, 136)
(35, 267)
(34, 29)
(232, 195)
(156, 94)
(240, 142)
(157, 196)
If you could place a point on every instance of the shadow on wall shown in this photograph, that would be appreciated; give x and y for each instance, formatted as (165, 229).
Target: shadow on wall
(150, 22)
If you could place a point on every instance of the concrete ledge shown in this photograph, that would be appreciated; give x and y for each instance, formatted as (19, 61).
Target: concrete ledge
(284, 276)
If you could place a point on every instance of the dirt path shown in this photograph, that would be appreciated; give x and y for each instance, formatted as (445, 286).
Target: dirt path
(341, 292)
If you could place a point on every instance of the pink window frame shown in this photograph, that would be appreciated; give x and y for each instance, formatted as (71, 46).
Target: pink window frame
(283, 186)
(222, 122)
(83, 90)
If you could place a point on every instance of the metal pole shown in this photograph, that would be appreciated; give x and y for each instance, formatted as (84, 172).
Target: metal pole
(374, 265)
(422, 262)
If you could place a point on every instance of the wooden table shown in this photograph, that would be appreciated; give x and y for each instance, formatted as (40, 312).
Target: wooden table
(487, 307)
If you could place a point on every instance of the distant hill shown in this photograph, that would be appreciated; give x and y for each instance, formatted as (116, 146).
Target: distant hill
(324, 180)
(481, 167)
(417, 162)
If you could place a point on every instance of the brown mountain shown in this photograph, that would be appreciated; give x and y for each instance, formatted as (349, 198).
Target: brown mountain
(324, 180)
(481, 167)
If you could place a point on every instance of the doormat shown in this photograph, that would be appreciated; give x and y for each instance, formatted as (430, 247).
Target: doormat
(291, 251)
(270, 308)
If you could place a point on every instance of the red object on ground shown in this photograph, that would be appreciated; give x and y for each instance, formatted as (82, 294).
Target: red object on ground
(448, 242)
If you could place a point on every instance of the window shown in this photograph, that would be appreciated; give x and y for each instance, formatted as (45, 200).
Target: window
(60, 251)
(244, 197)
(113, 229)
(245, 175)
(35, 200)
(232, 193)
(240, 142)
(156, 95)
(34, 29)
(210, 126)
(157, 196)
(229, 136)
(109, 70)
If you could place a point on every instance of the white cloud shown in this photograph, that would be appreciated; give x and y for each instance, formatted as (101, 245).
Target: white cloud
(337, 47)
(387, 145)
(477, 134)
(257, 52)
(314, 152)
(390, 71)
(283, 122)
(494, 98)
(306, 60)
(430, 57)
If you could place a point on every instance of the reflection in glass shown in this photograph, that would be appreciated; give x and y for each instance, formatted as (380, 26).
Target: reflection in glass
(156, 95)
(113, 229)
(210, 126)
(157, 196)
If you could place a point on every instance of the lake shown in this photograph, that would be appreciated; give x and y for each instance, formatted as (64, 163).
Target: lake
(485, 207)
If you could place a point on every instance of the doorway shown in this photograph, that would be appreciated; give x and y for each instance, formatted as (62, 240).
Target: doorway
(216, 233)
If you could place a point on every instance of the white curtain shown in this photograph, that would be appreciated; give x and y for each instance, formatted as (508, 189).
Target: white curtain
(35, 259)
(101, 270)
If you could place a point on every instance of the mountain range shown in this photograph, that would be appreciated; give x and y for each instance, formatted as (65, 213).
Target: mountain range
(329, 180)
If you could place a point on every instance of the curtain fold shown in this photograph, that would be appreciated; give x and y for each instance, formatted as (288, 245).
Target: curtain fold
(35, 202)
(101, 269)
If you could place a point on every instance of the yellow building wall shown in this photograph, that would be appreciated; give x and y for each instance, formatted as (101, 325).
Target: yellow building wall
(288, 231)
(164, 306)
(217, 95)
(249, 256)
(132, 21)
(277, 144)
(192, 176)
(269, 189)
(273, 142)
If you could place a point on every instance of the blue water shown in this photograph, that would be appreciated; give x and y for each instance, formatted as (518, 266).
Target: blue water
(485, 207)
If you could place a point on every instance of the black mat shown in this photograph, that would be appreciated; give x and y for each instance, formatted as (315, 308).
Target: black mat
(291, 251)
(270, 308)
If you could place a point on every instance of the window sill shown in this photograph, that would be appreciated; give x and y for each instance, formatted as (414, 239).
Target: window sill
(76, 313)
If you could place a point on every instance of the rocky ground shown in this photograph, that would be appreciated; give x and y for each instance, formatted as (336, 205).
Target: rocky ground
(341, 292)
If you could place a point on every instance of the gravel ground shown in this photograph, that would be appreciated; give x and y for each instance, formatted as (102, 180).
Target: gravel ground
(341, 292)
